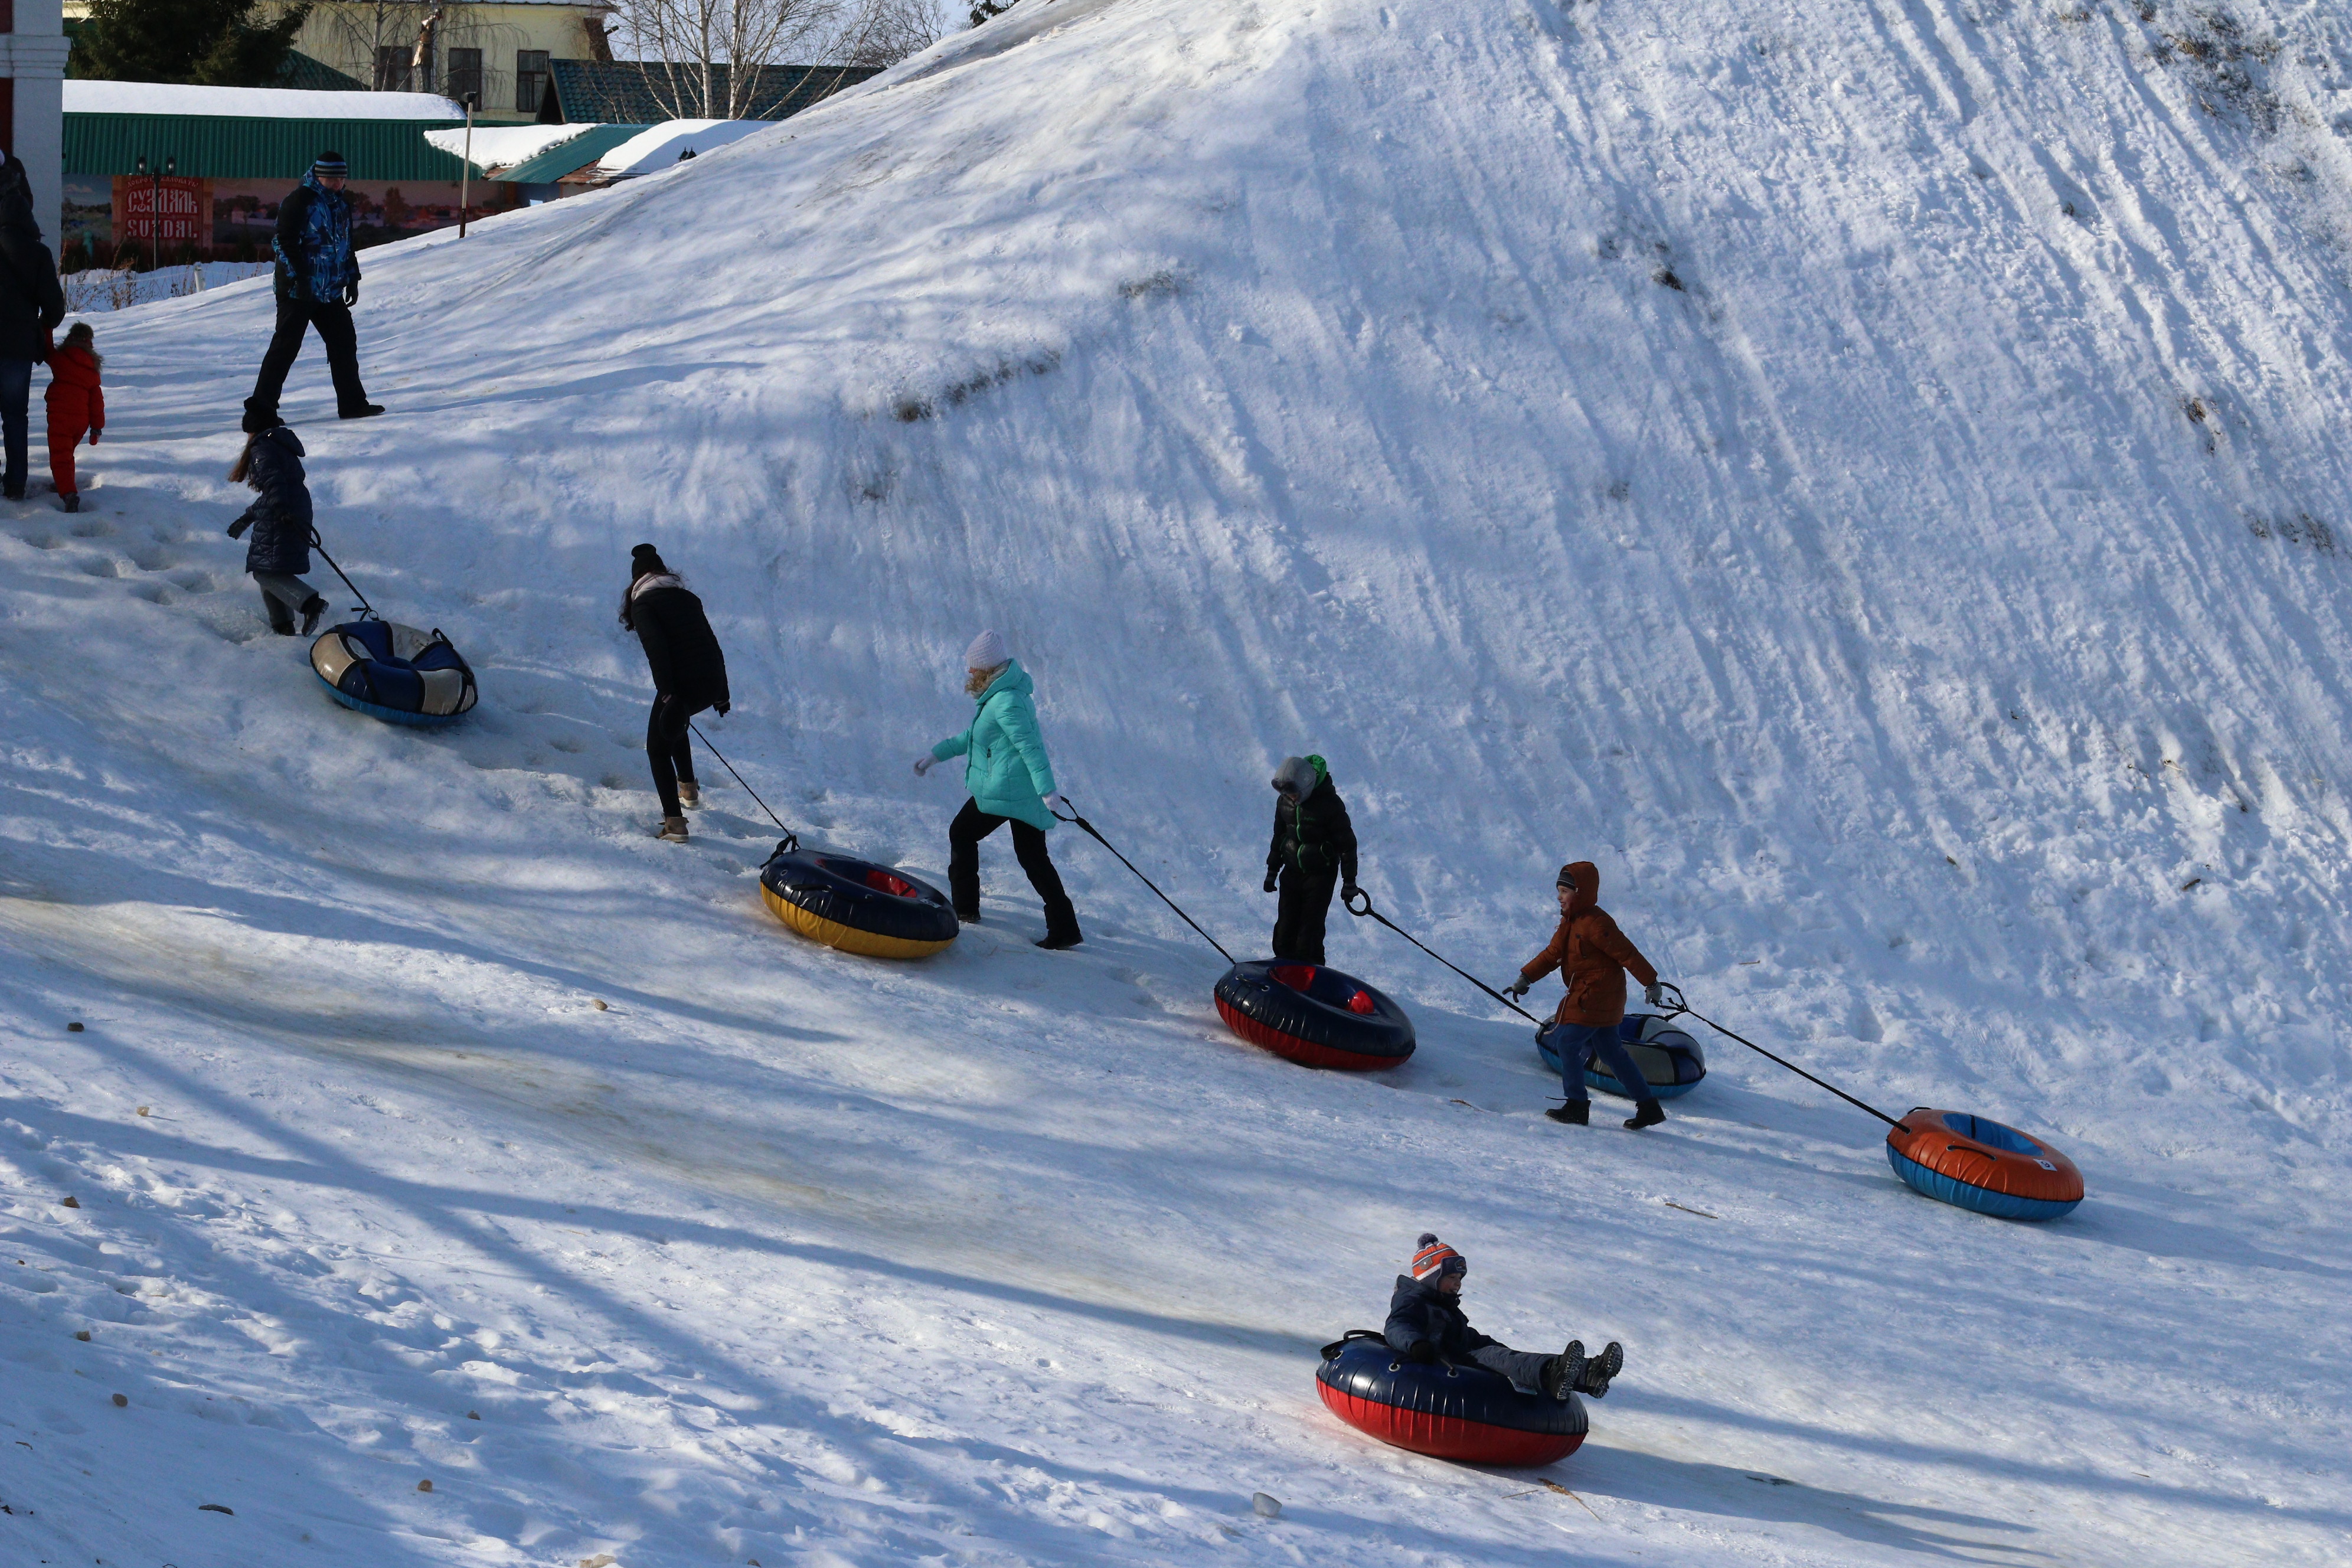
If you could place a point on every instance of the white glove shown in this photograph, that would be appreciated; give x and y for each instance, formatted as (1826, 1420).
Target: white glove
(925, 763)
(1652, 994)
(1059, 804)
(1517, 990)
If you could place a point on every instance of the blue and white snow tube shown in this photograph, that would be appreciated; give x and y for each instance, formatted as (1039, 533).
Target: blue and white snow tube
(1671, 1061)
(393, 672)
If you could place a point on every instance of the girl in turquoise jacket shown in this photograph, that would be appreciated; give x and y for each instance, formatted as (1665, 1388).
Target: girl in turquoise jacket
(1011, 780)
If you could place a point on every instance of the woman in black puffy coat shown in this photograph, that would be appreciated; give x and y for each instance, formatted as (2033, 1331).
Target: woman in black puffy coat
(280, 519)
(689, 675)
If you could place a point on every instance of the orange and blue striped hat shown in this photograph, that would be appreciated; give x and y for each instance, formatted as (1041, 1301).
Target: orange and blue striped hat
(1433, 1259)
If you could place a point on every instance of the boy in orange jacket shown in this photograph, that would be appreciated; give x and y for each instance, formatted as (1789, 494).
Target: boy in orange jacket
(1593, 956)
(76, 407)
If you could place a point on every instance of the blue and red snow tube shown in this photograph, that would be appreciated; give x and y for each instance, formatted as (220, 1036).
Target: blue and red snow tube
(395, 673)
(1455, 1411)
(1313, 1015)
(1983, 1165)
(1671, 1061)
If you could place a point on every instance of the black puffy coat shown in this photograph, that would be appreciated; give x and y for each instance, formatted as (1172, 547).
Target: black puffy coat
(680, 647)
(31, 303)
(280, 516)
(1314, 835)
(1421, 1311)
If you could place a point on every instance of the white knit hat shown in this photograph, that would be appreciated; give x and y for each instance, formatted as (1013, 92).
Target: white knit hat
(986, 652)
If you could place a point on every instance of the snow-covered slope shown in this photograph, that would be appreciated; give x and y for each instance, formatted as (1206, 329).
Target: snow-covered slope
(1869, 477)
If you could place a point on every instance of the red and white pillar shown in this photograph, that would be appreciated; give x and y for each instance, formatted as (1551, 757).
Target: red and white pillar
(32, 103)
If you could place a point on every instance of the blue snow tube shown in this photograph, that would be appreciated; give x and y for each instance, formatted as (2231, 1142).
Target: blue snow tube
(1979, 1164)
(393, 672)
(1671, 1061)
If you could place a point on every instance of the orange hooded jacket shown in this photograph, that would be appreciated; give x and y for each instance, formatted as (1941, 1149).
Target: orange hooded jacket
(75, 402)
(1592, 955)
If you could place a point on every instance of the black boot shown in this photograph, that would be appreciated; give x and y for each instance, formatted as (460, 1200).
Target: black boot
(312, 609)
(1561, 1373)
(1593, 1381)
(360, 411)
(1648, 1113)
(1056, 940)
(1575, 1114)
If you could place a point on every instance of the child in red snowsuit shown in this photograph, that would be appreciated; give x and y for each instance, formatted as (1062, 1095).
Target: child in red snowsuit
(76, 407)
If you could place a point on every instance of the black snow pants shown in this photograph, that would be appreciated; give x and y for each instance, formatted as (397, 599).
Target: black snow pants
(342, 343)
(1299, 914)
(972, 825)
(668, 750)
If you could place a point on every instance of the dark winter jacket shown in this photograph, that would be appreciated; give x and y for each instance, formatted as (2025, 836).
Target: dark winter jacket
(1314, 835)
(31, 303)
(280, 516)
(1420, 1312)
(1592, 955)
(681, 649)
(313, 244)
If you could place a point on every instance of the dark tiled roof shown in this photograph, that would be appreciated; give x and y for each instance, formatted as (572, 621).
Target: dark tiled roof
(636, 92)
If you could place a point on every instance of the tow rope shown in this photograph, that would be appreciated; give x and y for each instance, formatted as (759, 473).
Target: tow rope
(792, 841)
(1089, 828)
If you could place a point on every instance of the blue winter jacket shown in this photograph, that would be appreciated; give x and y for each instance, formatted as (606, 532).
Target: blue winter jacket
(1008, 774)
(313, 244)
(1420, 1312)
(280, 516)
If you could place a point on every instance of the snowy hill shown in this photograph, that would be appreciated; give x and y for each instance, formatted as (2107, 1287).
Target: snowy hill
(1872, 480)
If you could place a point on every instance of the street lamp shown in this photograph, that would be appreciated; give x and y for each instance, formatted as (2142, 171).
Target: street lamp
(155, 205)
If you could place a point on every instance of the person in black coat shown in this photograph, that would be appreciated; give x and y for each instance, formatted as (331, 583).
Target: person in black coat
(31, 305)
(1314, 846)
(1426, 1324)
(689, 675)
(317, 283)
(280, 519)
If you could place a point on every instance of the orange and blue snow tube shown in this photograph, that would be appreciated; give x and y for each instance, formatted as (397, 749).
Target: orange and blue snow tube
(1981, 1164)
(1449, 1412)
(1313, 1015)
(855, 905)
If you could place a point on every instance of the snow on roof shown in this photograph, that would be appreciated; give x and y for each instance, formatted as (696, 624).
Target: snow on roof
(657, 147)
(504, 146)
(253, 102)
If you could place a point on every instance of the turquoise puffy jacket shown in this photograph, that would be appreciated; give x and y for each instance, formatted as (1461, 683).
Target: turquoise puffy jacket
(1008, 774)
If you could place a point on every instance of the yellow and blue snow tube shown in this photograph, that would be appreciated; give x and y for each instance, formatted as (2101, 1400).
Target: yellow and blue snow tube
(855, 905)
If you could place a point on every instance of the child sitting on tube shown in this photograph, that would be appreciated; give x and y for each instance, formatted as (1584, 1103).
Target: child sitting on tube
(1426, 1324)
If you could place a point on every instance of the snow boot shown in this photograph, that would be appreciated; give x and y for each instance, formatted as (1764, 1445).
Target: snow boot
(672, 828)
(360, 411)
(73, 502)
(1575, 1114)
(1593, 1381)
(971, 919)
(1056, 940)
(1647, 1113)
(312, 609)
(688, 792)
(1563, 1372)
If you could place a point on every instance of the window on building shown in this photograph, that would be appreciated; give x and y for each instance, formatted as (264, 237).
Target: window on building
(465, 73)
(531, 79)
(392, 62)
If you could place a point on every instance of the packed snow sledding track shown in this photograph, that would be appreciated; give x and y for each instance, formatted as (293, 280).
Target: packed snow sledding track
(1946, 703)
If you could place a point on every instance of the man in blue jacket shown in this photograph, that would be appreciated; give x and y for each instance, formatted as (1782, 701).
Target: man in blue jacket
(318, 283)
(1426, 1324)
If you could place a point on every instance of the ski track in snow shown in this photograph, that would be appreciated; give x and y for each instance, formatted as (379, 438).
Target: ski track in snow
(1872, 480)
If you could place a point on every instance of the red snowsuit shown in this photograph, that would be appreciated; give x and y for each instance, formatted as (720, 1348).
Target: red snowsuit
(77, 408)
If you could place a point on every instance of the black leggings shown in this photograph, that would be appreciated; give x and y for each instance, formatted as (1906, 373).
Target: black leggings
(666, 748)
(972, 825)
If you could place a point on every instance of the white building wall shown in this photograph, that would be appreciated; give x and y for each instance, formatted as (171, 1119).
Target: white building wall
(34, 55)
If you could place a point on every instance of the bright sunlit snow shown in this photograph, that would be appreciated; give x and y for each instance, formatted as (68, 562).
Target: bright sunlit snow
(1871, 477)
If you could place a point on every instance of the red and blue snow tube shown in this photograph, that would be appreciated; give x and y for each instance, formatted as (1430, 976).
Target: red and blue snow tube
(1983, 1165)
(1313, 1015)
(1456, 1412)
(1669, 1057)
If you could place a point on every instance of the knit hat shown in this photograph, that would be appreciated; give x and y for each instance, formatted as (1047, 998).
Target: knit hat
(329, 162)
(1433, 1259)
(645, 558)
(987, 651)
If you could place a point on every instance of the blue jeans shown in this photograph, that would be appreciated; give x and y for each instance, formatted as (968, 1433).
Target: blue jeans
(16, 391)
(1580, 1043)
